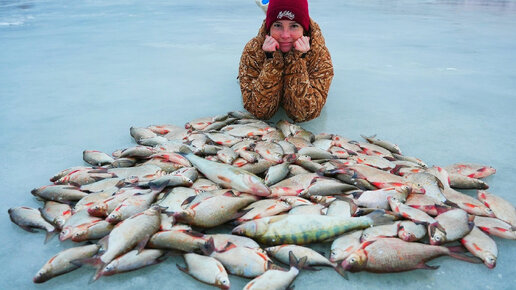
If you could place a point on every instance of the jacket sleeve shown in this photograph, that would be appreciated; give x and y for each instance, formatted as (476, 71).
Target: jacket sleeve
(260, 80)
(306, 84)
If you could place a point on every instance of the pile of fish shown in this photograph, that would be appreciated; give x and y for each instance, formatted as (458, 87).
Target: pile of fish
(280, 188)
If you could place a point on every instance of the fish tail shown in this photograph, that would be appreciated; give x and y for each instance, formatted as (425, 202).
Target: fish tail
(208, 247)
(50, 235)
(342, 272)
(158, 185)
(184, 150)
(380, 217)
(294, 262)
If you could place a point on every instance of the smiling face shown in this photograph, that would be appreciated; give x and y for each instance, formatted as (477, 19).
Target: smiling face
(286, 32)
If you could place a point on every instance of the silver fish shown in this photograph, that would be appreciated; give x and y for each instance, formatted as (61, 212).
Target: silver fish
(61, 263)
(206, 269)
(229, 176)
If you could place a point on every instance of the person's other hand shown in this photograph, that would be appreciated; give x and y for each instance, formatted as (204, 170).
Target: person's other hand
(302, 44)
(270, 44)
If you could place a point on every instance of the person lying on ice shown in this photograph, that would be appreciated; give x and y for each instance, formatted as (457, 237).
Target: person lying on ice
(286, 64)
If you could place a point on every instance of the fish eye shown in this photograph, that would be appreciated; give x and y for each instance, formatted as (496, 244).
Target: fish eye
(352, 260)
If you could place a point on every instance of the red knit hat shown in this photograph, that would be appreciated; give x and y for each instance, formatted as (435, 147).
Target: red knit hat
(296, 10)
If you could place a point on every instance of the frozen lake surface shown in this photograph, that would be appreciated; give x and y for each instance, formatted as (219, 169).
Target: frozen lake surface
(436, 77)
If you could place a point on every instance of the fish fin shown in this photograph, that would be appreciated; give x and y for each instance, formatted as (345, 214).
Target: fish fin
(342, 272)
(422, 265)
(183, 269)
(188, 200)
(241, 213)
(379, 217)
(28, 229)
(356, 193)
(208, 247)
(157, 185)
(290, 287)
(464, 257)
(194, 234)
(441, 209)
(103, 243)
(184, 150)
(471, 225)
(366, 243)
(396, 169)
(290, 158)
(141, 244)
(452, 204)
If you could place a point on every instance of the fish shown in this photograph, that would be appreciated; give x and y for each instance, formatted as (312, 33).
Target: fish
(182, 177)
(342, 206)
(276, 173)
(313, 209)
(59, 193)
(315, 153)
(263, 208)
(470, 170)
(92, 231)
(132, 260)
(431, 185)
(29, 219)
(502, 209)
(467, 203)
(136, 230)
(61, 263)
(292, 186)
(382, 143)
(173, 201)
(326, 186)
(313, 258)
(203, 184)
(481, 245)
(77, 222)
(96, 158)
(220, 241)
(227, 155)
(213, 210)
(378, 198)
(455, 223)
(56, 213)
(411, 159)
(413, 214)
(346, 244)
(228, 176)
(139, 133)
(103, 206)
(426, 203)
(179, 237)
(463, 182)
(240, 261)
(269, 151)
(378, 232)
(206, 269)
(391, 255)
(305, 229)
(373, 161)
(278, 279)
(132, 205)
(82, 177)
(410, 231)
(495, 227)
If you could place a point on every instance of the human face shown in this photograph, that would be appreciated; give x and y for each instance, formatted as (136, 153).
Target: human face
(286, 32)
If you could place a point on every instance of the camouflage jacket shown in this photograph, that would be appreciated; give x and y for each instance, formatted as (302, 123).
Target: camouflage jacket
(299, 84)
